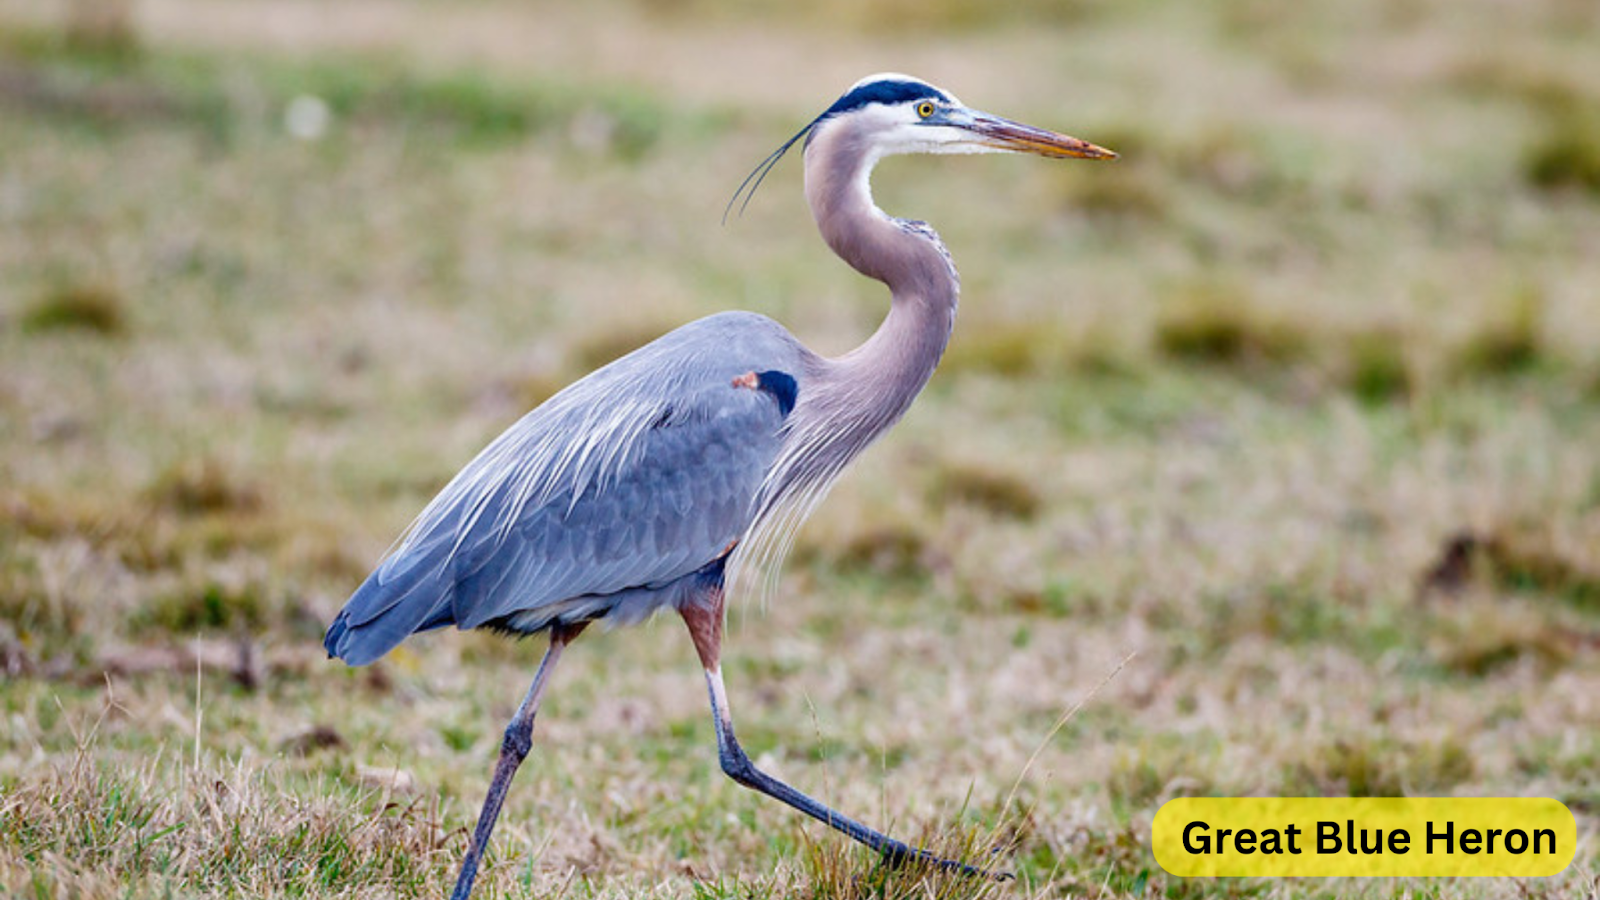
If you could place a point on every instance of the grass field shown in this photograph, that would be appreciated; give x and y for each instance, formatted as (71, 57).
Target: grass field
(1274, 444)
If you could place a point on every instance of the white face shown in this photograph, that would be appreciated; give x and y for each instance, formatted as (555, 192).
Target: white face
(912, 126)
(901, 126)
(926, 126)
(940, 123)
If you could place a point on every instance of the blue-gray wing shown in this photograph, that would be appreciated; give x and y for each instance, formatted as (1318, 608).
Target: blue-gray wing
(639, 474)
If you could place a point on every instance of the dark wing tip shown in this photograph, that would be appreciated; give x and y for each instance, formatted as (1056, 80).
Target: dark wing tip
(337, 638)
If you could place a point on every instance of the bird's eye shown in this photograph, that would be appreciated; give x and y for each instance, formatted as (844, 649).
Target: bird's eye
(925, 109)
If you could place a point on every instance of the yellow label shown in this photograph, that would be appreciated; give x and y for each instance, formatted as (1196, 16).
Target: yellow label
(1364, 836)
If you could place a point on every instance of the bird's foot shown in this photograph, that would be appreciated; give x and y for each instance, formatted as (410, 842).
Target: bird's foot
(897, 855)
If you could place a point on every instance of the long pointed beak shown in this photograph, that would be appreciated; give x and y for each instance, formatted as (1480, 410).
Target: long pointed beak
(1004, 134)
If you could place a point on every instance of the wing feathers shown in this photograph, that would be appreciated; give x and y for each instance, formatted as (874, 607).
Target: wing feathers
(637, 475)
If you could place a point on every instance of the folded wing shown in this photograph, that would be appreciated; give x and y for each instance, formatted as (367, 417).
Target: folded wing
(638, 475)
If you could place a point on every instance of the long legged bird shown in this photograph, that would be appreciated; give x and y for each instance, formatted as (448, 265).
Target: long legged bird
(643, 485)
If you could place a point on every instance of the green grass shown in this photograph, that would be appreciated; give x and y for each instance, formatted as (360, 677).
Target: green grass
(1567, 153)
(113, 85)
(1296, 403)
(220, 832)
(91, 308)
(1219, 323)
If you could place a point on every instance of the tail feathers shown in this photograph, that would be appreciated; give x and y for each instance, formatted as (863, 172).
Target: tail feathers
(385, 611)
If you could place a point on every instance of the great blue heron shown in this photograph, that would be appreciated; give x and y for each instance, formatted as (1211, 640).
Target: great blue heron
(642, 485)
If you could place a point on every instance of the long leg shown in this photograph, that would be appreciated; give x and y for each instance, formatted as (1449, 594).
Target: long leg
(705, 627)
(513, 750)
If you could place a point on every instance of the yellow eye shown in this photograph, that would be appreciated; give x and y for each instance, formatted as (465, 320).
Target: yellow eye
(925, 109)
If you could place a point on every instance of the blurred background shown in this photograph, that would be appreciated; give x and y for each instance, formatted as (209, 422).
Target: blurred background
(1292, 413)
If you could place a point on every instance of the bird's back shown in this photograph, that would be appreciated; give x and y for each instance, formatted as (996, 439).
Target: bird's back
(597, 502)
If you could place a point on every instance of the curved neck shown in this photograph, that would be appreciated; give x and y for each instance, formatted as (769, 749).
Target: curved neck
(847, 402)
(892, 366)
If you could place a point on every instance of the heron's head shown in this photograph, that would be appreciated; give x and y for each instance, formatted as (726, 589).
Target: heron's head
(896, 113)
(890, 113)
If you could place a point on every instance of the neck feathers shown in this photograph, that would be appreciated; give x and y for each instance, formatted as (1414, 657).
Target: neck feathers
(850, 400)
(847, 402)
(907, 256)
